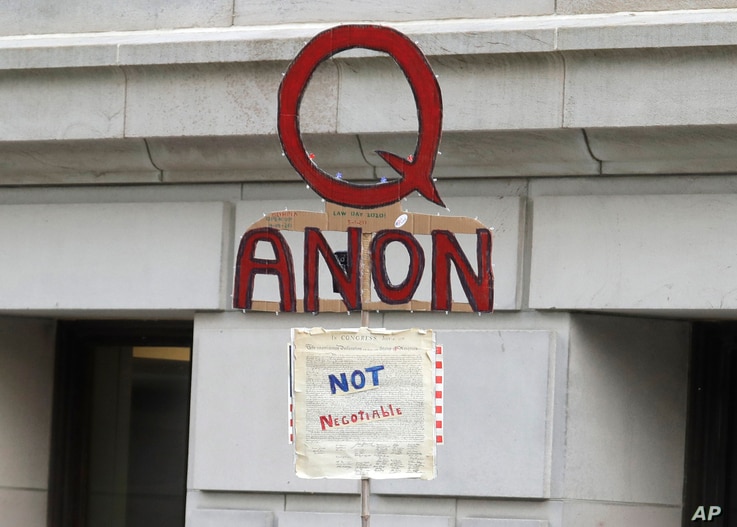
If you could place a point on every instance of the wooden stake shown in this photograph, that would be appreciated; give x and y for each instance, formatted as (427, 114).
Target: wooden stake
(365, 494)
(365, 482)
(364, 319)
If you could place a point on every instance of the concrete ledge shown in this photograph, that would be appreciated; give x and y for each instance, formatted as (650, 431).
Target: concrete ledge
(665, 150)
(321, 519)
(229, 518)
(527, 96)
(656, 29)
(634, 247)
(582, 514)
(264, 12)
(481, 154)
(34, 17)
(281, 42)
(648, 88)
(259, 157)
(616, 6)
(106, 161)
(35, 104)
(506, 522)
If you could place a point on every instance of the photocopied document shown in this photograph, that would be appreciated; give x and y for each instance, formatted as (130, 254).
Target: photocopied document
(364, 403)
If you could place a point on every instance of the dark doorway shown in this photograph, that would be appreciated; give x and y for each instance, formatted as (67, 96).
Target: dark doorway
(121, 419)
(711, 458)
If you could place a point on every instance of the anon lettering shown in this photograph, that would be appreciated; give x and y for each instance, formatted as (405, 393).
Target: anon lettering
(348, 283)
(248, 266)
(403, 292)
(477, 285)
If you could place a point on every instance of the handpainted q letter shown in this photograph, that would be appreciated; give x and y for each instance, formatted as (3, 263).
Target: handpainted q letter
(416, 174)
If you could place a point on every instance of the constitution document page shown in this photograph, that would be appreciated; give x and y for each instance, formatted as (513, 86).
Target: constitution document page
(364, 403)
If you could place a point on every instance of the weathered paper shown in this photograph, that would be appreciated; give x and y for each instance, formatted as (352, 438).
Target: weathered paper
(364, 403)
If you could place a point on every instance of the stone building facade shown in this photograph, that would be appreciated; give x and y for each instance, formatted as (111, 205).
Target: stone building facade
(138, 142)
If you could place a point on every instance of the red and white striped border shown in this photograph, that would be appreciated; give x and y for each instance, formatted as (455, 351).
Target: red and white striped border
(439, 377)
(290, 399)
(291, 421)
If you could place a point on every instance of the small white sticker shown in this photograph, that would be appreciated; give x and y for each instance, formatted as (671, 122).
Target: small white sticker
(401, 220)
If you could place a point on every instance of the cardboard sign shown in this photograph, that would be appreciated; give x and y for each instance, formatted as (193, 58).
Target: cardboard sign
(364, 403)
(368, 214)
(365, 276)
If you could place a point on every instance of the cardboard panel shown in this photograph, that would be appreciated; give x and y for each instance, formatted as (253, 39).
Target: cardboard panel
(337, 218)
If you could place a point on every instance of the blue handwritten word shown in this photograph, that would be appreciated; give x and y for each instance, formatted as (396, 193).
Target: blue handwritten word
(358, 379)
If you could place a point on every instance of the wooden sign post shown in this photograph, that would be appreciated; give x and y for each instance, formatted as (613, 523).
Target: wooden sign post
(365, 482)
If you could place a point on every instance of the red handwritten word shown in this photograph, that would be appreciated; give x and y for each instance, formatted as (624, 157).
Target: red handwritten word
(328, 421)
(416, 169)
(478, 286)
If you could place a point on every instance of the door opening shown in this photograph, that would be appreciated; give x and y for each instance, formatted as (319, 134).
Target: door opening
(121, 424)
(711, 446)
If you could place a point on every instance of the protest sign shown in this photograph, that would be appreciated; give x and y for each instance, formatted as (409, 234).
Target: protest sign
(364, 403)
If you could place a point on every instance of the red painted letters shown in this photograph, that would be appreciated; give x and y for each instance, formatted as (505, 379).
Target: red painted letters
(478, 287)
(247, 266)
(366, 246)
(416, 174)
(349, 282)
(403, 292)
